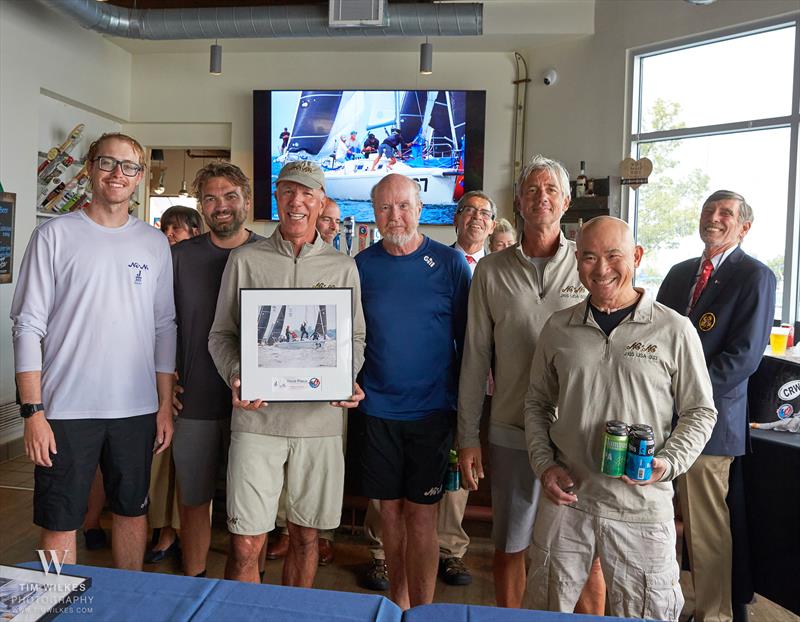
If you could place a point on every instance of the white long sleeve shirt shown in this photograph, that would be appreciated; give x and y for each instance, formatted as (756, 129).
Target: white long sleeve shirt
(93, 311)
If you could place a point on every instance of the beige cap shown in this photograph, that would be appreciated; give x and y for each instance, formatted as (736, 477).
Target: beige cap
(303, 172)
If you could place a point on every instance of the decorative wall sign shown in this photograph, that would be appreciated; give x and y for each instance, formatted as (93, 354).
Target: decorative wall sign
(634, 173)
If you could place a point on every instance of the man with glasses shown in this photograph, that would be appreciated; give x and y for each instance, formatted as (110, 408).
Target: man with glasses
(94, 349)
(474, 222)
(730, 299)
(514, 292)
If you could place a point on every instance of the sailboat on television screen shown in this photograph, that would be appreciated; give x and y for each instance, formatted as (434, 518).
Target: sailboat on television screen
(330, 128)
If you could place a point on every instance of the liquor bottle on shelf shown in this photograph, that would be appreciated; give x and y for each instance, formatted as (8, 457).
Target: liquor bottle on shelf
(581, 181)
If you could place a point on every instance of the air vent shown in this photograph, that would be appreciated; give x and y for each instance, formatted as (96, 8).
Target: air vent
(357, 13)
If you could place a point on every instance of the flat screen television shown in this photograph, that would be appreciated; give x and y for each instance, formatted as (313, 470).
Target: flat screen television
(438, 140)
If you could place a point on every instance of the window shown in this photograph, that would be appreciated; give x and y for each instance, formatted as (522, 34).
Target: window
(719, 114)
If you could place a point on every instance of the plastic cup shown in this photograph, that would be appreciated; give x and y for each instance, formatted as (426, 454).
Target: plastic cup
(778, 338)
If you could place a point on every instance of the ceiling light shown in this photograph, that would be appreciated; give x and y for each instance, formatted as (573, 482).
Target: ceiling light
(160, 189)
(215, 66)
(184, 192)
(426, 58)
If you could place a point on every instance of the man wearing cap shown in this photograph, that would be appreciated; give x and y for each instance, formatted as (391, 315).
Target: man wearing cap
(299, 441)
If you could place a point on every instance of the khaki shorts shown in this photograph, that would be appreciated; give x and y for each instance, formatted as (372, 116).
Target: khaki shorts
(638, 561)
(257, 465)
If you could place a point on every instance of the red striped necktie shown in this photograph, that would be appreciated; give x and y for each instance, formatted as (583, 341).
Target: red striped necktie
(702, 280)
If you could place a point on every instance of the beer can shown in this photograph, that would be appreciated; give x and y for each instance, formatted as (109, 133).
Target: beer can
(452, 480)
(641, 447)
(615, 449)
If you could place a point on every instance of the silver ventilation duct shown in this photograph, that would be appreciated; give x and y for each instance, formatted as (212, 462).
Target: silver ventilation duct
(439, 19)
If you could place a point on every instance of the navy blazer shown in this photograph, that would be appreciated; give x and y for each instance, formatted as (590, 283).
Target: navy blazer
(733, 317)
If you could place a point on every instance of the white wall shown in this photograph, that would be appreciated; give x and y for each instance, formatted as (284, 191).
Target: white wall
(39, 51)
(581, 117)
(162, 92)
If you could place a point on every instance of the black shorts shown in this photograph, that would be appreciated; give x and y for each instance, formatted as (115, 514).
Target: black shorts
(406, 459)
(124, 450)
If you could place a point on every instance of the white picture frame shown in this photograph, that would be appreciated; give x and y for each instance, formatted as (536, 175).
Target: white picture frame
(296, 344)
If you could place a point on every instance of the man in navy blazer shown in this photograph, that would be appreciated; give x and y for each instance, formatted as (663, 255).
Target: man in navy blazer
(730, 299)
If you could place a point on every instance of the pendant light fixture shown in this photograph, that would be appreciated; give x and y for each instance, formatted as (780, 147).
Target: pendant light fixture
(426, 58)
(184, 192)
(215, 66)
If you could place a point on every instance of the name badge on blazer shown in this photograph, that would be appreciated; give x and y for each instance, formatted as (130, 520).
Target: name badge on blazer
(706, 322)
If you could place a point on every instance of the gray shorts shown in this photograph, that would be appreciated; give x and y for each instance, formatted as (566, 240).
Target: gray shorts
(515, 494)
(199, 449)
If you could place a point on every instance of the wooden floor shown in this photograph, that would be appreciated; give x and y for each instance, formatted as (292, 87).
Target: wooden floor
(19, 537)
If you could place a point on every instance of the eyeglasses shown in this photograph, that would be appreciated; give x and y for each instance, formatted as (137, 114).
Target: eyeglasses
(483, 214)
(108, 164)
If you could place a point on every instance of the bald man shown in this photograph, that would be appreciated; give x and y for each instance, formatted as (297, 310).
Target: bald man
(616, 355)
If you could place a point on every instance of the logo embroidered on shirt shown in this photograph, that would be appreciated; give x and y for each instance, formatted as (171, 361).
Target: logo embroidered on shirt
(141, 269)
(429, 260)
(573, 291)
(640, 350)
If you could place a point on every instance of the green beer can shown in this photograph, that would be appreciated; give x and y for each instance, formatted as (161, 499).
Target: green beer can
(615, 449)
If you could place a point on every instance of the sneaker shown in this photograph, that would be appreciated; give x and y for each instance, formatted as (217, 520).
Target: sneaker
(453, 571)
(377, 577)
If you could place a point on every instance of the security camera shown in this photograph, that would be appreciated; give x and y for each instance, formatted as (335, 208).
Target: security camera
(550, 77)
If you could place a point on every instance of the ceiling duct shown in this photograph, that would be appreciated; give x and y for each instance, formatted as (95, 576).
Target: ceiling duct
(441, 19)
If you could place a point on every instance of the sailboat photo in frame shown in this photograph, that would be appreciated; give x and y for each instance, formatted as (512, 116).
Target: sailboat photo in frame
(296, 345)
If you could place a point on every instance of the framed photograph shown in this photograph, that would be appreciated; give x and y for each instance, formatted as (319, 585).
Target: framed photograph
(8, 201)
(36, 596)
(296, 344)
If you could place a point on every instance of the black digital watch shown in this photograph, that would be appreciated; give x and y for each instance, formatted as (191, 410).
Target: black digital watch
(28, 410)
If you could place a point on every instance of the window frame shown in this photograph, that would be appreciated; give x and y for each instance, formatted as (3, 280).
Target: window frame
(633, 138)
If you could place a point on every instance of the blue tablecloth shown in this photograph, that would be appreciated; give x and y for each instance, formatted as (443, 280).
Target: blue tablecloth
(474, 613)
(121, 595)
(245, 602)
